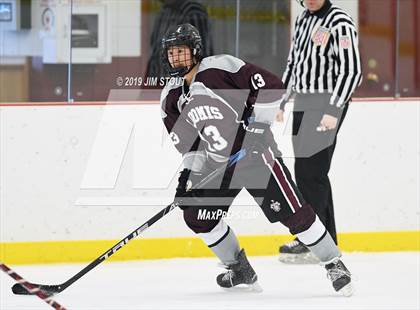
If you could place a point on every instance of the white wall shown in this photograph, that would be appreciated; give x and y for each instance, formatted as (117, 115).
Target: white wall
(94, 172)
(125, 20)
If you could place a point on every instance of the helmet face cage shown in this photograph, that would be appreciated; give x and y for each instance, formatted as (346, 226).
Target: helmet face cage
(184, 34)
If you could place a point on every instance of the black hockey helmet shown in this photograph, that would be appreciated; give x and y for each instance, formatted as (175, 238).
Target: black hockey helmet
(184, 34)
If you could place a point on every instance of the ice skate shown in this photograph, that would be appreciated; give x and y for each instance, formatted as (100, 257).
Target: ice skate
(295, 252)
(340, 277)
(239, 276)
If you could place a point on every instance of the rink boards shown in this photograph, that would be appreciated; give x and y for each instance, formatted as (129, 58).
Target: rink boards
(74, 179)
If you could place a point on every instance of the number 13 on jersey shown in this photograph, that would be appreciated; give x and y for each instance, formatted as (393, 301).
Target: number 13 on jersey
(257, 81)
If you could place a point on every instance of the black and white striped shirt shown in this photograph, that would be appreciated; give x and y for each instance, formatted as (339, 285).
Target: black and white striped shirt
(324, 56)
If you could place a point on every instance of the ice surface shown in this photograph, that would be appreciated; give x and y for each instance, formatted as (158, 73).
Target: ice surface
(382, 280)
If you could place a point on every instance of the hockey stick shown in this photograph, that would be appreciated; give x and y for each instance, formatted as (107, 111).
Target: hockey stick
(55, 289)
(31, 288)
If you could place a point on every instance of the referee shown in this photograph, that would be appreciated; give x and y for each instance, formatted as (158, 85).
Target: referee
(323, 70)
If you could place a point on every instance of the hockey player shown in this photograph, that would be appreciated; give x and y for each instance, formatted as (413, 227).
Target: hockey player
(213, 108)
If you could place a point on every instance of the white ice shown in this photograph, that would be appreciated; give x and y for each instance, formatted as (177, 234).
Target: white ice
(382, 281)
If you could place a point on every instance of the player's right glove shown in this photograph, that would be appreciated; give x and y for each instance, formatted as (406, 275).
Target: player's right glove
(186, 181)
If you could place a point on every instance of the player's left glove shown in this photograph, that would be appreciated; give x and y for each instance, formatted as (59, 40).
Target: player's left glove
(258, 138)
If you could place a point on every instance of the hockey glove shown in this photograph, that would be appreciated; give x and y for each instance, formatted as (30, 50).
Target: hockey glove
(186, 181)
(258, 138)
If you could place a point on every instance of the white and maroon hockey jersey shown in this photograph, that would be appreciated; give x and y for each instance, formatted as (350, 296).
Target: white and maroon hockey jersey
(209, 114)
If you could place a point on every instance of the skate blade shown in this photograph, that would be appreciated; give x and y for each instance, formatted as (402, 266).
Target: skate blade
(247, 288)
(347, 290)
(298, 259)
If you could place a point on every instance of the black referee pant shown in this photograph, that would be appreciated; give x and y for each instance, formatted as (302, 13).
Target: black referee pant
(313, 154)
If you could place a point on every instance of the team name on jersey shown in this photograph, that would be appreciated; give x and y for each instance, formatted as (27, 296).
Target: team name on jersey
(203, 113)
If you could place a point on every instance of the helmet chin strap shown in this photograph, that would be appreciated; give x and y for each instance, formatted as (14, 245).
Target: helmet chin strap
(191, 67)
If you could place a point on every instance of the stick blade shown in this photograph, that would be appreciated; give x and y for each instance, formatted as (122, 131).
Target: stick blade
(19, 289)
